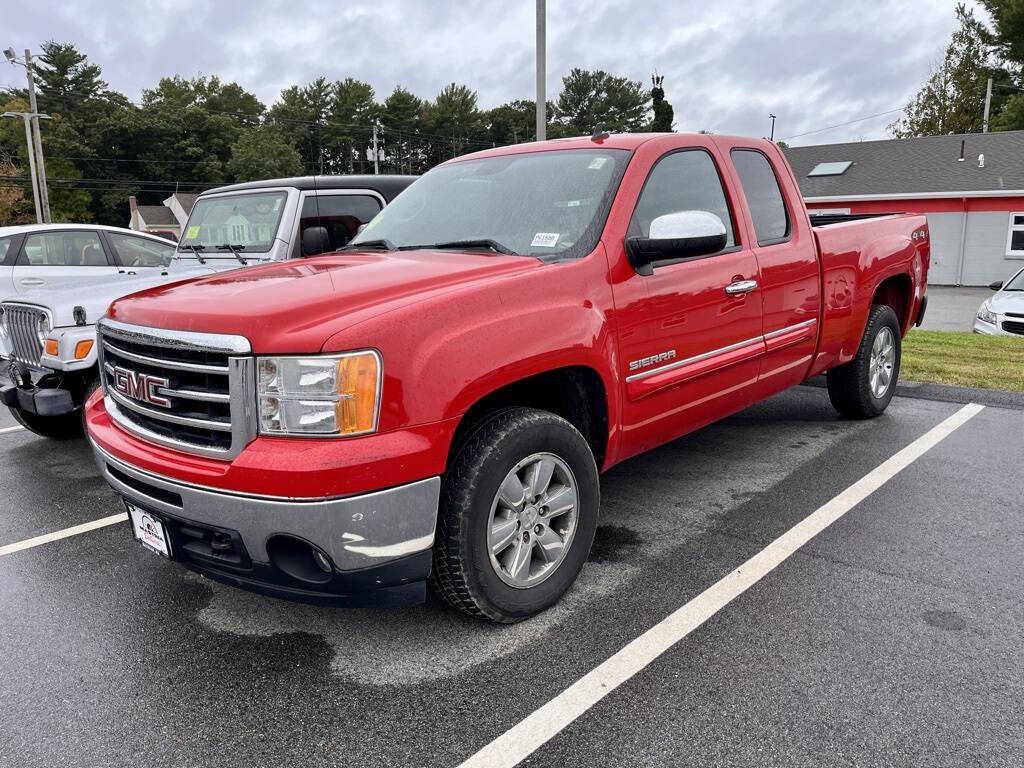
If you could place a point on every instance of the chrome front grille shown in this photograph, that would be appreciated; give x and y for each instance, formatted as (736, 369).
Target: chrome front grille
(21, 325)
(189, 391)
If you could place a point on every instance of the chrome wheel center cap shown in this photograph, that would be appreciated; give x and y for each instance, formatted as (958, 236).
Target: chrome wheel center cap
(529, 517)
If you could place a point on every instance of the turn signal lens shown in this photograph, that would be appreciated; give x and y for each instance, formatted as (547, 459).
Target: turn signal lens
(82, 349)
(52, 347)
(358, 377)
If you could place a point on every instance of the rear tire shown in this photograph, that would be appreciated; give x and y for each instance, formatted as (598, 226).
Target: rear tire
(519, 509)
(862, 388)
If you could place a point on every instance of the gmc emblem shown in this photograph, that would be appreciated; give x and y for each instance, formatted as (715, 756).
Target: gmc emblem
(140, 386)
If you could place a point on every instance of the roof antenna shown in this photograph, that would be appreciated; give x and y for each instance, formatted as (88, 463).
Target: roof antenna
(599, 133)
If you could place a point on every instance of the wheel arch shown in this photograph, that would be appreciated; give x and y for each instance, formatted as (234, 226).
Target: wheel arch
(576, 393)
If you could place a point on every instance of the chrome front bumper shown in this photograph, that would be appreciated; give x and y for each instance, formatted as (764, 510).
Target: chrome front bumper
(358, 532)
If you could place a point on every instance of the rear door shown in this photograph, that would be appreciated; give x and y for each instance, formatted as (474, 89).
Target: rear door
(790, 281)
(690, 342)
(58, 258)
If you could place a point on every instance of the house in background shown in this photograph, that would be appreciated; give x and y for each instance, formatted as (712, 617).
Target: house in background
(971, 187)
(167, 219)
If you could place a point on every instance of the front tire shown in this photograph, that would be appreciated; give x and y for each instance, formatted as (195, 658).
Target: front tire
(64, 427)
(862, 388)
(519, 509)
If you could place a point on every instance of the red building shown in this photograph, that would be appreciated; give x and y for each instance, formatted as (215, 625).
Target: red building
(971, 187)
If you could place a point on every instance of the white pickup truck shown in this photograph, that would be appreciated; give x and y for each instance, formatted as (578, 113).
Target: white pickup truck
(59, 280)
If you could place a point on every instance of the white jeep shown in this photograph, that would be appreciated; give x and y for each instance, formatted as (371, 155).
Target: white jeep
(59, 279)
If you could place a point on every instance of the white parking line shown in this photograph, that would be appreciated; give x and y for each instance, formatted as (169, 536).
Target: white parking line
(5, 430)
(46, 538)
(524, 738)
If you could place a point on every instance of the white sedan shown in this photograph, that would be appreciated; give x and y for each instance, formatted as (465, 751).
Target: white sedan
(1003, 313)
(56, 255)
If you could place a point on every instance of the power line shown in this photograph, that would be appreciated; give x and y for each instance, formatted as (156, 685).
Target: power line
(841, 125)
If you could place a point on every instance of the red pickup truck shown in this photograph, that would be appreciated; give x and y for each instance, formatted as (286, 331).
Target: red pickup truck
(436, 400)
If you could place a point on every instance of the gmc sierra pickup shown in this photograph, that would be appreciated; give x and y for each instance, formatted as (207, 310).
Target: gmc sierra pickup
(436, 401)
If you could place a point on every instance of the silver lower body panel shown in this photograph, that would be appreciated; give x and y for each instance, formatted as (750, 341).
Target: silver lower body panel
(356, 531)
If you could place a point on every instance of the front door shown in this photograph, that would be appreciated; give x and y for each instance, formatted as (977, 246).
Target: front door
(139, 256)
(690, 334)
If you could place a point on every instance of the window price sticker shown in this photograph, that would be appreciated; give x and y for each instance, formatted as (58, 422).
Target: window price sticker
(544, 240)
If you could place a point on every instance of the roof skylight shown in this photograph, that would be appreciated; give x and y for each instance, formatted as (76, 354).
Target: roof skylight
(830, 169)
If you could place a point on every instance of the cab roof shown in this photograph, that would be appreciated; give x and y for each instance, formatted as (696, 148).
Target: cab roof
(387, 185)
(627, 141)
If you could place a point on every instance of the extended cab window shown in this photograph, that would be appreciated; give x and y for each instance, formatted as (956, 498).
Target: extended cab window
(764, 197)
(140, 251)
(682, 181)
(340, 215)
(74, 248)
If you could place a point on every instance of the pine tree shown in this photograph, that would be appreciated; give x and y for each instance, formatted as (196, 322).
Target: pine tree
(953, 99)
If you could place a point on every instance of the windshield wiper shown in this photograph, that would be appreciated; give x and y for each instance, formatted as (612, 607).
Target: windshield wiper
(235, 250)
(196, 251)
(387, 245)
(478, 242)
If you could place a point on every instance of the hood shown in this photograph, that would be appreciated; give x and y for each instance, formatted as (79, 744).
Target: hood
(95, 298)
(295, 306)
(1006, 301)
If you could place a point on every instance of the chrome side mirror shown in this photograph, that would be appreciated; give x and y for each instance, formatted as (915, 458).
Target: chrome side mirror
(680, 235)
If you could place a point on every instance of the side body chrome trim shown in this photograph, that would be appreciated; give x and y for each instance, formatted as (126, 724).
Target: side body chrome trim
(790, 328)
(720, 351)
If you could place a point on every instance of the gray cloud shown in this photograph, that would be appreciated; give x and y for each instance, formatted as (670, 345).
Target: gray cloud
(727, 64)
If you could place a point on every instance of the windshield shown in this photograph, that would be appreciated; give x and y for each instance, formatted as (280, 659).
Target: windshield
(248, 219)
(1015, 283)
(538, 204)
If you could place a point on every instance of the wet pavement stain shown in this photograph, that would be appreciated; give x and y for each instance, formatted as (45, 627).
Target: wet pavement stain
(950, 621)
(610, 541)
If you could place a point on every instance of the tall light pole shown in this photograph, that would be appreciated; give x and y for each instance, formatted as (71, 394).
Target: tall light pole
(36, 145)
(542, 103)
(27, 117)
(772, 137)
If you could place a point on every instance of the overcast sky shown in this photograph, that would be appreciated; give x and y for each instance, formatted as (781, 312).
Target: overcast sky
(727, 64)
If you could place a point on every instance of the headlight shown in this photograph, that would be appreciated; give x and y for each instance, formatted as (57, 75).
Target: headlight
(3, 324)
(320, 396)
(42, 329)
(986, 316)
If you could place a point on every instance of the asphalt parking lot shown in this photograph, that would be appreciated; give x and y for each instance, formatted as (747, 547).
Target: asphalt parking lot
(892, 637)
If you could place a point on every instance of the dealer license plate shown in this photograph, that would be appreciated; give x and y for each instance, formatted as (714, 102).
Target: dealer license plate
(149, 530)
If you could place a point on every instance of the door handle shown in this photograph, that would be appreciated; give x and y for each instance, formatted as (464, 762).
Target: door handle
(740, 287)
(32, 281)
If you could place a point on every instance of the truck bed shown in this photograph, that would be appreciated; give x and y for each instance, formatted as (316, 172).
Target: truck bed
(857, 254)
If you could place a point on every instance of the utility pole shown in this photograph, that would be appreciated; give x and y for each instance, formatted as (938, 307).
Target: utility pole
(988, 105)
(44, 195)
(376, 169)
(27, 117)
(772, 137)
(542, 103)
(35, 146)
